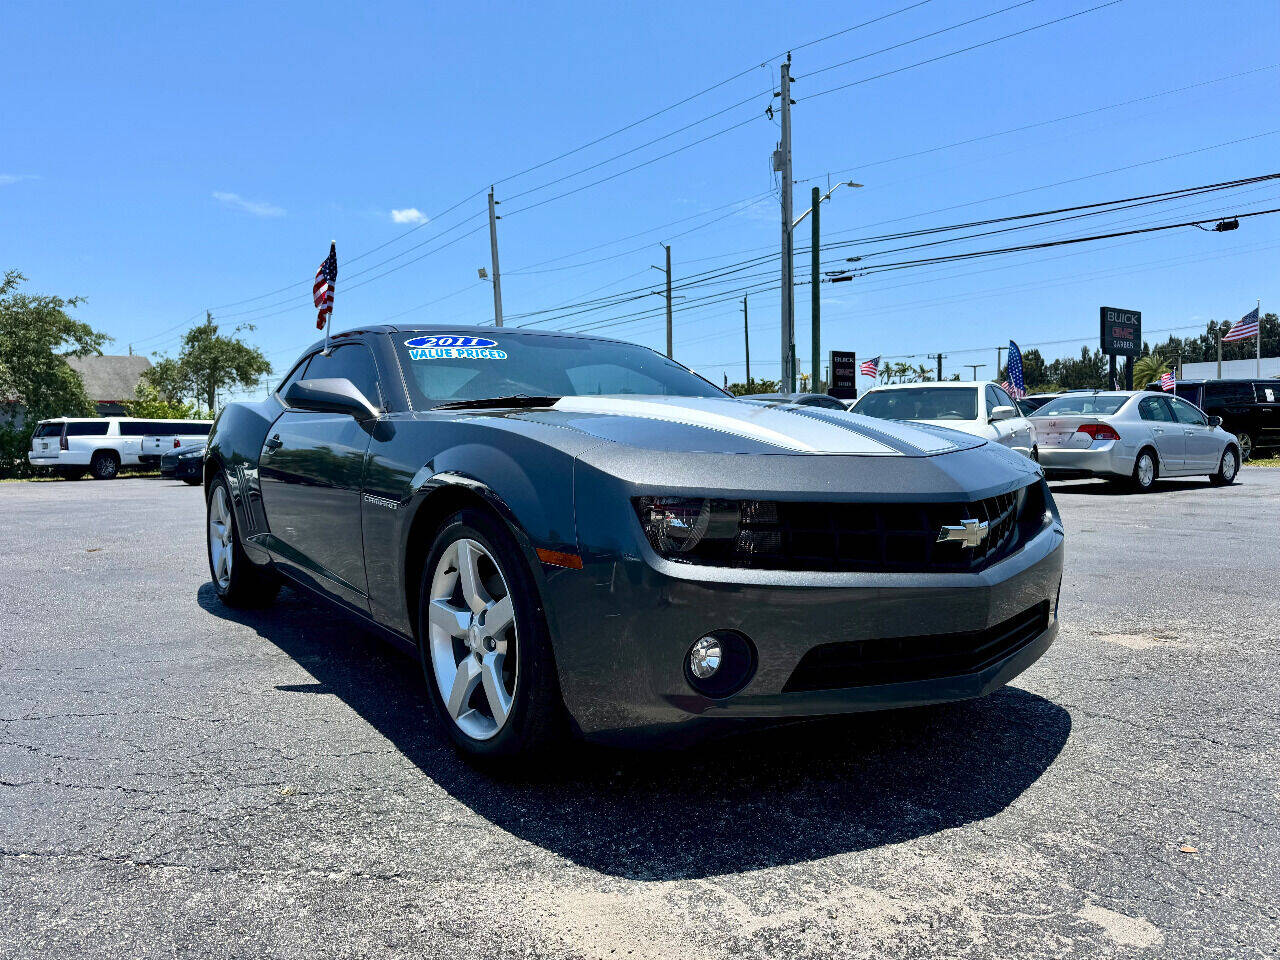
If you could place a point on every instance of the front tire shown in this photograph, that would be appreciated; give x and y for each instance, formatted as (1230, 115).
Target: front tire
(1145, 471)
(1228, 467)
(483, 640)
(238, 581)
(104, 465)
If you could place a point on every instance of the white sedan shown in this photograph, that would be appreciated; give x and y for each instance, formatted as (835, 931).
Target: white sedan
(1135, 436)
(982, 409)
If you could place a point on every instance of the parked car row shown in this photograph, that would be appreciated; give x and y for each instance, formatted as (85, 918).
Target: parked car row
(1137, 436)
(100, 446)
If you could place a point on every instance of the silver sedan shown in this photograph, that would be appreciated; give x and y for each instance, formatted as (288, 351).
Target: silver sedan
(1133, 435)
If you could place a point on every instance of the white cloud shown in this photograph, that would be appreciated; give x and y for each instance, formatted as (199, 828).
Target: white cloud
(408, 215)
(248, 206)
(9, 178)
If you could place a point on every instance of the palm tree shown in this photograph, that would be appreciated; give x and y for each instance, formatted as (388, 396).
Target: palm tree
(1148, 369)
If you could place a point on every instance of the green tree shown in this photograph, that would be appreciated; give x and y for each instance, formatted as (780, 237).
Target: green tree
(36, 337)
(210, 361)
(1147, 369)
(755, 386)
(169, 380)
(149, 404)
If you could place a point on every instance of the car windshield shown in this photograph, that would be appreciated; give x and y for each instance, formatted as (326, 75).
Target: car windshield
(921, 403)
(447, 368)
(1082, 404)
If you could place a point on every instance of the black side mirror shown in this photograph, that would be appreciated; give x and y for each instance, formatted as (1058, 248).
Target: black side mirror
(332, 395)
(1215, 421)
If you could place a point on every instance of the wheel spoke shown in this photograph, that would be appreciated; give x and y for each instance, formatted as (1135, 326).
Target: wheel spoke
(473, 591)
(498, 617)
(494, 689)
(449, 619)
(464, 684)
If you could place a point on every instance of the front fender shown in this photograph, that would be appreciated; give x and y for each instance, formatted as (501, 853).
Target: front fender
(527, 483)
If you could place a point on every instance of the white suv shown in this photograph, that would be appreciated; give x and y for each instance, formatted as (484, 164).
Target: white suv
(102, 445)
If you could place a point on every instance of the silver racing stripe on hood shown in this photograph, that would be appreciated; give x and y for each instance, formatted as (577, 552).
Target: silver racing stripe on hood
(787, 428)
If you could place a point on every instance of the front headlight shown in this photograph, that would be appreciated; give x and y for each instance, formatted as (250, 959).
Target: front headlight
(191, 456)
(700, 530)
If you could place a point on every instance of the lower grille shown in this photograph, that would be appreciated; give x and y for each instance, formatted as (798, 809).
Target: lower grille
(862, 663)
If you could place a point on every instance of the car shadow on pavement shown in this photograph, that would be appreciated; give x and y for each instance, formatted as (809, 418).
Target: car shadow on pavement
(778, 795)
(1107, 488)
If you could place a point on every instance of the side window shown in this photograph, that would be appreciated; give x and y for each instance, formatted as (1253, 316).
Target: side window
(87, 429)
(295, 374)
(992, 400)
(1155, 408)
(1003, 399)
(352, 361)
(1186, 413)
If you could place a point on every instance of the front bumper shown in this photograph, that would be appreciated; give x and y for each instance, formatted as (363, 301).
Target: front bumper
(181, 469)
(1109, 458)
(622, 627)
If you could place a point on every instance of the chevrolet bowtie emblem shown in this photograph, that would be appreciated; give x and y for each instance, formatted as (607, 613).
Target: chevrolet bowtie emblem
(969, 532)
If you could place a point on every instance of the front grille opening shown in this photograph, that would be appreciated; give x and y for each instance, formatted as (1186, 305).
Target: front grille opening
(862, 663)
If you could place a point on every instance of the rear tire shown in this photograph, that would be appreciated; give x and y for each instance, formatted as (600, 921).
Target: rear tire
(1228, 467)
(239, 582)
(529, 720)
(105, 465)
(1146, 469)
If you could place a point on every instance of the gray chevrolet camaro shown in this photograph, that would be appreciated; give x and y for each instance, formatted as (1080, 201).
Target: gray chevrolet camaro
(578, 535)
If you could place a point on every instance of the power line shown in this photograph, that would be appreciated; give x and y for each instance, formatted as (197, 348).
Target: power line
(953, 53)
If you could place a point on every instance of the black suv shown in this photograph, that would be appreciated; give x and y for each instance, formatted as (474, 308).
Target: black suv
(1249, 408)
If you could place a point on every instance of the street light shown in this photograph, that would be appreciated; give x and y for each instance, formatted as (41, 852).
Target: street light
(815, 310)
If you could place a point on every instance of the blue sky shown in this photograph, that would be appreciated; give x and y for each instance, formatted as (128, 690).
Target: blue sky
(165, 158)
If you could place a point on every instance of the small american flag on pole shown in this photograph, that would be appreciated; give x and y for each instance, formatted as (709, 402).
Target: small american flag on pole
(1167, 382)
(322, 289)
(871, 368)
(1246, 328)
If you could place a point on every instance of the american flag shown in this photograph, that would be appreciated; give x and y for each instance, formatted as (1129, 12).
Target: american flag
(1246, 328)
(871, 368)
(1016, 388)
(322, 289)
(1167, 383)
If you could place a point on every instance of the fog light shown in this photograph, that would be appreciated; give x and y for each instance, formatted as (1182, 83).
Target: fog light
(704, 658)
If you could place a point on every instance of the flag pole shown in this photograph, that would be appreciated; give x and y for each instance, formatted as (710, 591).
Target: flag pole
(1259, 367)
(328, 320)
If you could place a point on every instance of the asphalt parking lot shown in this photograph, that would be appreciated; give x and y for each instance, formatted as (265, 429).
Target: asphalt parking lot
(177, 777)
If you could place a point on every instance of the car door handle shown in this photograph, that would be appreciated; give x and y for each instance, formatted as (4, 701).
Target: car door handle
(274, 443)
(1157, 429)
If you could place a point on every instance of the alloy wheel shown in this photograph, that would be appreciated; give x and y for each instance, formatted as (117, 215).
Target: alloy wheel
(1246, 446)
(1146, 470)
(220, 537)
(472, 639)
(1229, 465)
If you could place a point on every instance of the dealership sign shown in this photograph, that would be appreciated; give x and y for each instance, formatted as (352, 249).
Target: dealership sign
(844, 375)
(1121, 332)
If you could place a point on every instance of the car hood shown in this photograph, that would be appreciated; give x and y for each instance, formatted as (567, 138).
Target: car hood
(728, 426)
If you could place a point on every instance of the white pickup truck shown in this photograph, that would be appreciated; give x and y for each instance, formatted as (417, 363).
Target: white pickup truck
(154, 446)
(102, 445)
